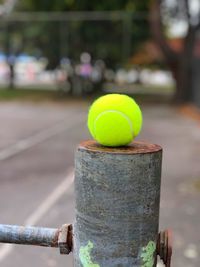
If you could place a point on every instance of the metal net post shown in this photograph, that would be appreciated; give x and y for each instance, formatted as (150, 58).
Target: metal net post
(117, 205)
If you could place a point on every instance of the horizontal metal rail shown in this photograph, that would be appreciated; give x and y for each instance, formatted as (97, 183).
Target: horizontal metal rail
(75, 16)
(38, 236)
(45, 237)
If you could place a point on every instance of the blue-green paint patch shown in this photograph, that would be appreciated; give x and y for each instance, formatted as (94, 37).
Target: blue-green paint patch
(147, 254)
(85, 255)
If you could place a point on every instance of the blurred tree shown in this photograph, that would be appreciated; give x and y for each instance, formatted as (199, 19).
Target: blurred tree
(184, 62)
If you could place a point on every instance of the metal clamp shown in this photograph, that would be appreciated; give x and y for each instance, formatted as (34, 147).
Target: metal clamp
(65, 239)
(164, 247)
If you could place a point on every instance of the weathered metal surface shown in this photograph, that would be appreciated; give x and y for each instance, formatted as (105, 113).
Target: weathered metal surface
(133, 148)
(117, 205)
(38, 236)
(164, 247)
(46, 237)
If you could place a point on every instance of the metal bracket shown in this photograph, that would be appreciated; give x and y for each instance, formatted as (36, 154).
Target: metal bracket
(164, 247)
(65, 239)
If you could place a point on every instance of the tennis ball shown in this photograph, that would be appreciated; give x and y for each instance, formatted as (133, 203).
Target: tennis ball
(114, 120)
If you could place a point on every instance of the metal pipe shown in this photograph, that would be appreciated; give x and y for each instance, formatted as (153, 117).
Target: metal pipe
(45, 237)
(117, 205)
(38, 236)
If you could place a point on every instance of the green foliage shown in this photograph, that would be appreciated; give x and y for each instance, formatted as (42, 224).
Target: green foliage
(83, 5)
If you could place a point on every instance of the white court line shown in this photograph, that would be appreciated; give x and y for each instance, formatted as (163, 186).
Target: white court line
(45, 206)
(38, 138)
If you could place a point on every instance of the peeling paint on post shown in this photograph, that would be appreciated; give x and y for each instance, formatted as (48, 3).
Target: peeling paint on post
(117, 205)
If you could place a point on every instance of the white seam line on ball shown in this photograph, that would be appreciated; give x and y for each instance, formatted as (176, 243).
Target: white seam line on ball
(114, 111)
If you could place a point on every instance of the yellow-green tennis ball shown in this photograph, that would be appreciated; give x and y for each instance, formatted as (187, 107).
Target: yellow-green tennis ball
(114, 120)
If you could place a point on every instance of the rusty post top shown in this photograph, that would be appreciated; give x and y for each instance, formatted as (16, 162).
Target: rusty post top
(133, 148)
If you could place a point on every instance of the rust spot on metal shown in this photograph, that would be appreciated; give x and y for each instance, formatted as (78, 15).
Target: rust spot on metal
(133, 148)
(54, 242)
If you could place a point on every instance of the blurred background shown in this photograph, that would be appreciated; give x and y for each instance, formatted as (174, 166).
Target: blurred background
(56, 57)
